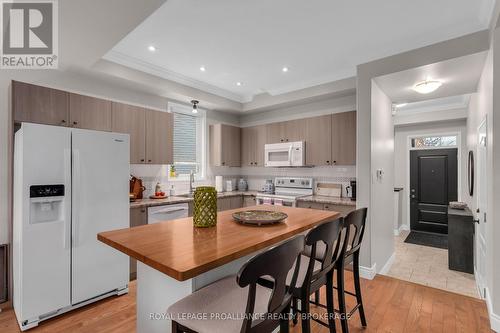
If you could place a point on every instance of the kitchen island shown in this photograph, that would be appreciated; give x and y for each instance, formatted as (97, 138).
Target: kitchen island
(175, 258)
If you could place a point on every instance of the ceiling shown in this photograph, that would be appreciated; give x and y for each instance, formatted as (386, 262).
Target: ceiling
(319, 41)
(459, 76)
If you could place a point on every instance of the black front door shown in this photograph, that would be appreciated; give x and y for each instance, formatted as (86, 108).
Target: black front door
(433, 184)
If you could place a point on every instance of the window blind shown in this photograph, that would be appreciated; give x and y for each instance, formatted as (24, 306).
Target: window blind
(185, 140)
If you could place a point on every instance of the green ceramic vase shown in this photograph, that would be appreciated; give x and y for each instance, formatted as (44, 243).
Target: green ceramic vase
(205, 207)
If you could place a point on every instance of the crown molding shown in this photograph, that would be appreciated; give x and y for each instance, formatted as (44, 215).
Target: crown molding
(144, 66)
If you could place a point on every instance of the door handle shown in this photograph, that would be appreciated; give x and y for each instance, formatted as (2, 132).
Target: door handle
(476, 221)
(413, 196)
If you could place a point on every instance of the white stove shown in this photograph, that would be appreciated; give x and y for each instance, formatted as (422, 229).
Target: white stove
(287, 190)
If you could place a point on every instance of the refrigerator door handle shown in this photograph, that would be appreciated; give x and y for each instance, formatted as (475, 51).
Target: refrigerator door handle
(75, 190)
(67, 205)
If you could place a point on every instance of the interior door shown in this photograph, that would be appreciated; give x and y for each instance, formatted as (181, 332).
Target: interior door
(100, 203)
(433, 184)
(480, 260)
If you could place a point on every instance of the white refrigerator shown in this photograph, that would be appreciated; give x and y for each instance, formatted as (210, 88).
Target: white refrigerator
(69, 185)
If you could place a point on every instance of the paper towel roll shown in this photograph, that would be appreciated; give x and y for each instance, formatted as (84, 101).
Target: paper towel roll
(219, 184)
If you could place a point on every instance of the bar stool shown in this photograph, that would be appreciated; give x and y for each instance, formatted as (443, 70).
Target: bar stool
(354, 228)
(355, 223)
(317, 273)
(255, 309)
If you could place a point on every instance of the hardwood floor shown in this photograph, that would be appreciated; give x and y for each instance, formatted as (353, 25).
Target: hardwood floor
(391, 305)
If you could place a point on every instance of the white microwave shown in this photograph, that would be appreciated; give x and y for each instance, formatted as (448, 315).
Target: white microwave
(287, 154)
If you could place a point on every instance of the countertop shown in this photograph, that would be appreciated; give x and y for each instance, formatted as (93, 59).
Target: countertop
(142, 203)
(182, 252)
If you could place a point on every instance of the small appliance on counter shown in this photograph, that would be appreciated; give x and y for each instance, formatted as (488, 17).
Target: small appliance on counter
(219, 184)
(351, 190)
(136, 188)
(268, 187)
(242, 185)
(231, 185)
(329, 189)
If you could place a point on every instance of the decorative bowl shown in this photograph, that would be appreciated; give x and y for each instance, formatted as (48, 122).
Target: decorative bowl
(259, 217)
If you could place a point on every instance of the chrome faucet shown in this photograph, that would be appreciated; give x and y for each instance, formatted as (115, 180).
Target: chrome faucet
(191, 181)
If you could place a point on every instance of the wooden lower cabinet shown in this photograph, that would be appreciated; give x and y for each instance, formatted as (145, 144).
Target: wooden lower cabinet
(138, 216)
(342, 209)
(249, 201)
(310, 205)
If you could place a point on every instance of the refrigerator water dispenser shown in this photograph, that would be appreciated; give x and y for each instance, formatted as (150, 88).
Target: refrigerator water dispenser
(46, 203)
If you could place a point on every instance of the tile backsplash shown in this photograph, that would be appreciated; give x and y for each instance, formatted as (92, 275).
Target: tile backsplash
(256, 177)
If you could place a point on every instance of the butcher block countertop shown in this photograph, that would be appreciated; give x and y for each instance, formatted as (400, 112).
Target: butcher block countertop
(182, 251)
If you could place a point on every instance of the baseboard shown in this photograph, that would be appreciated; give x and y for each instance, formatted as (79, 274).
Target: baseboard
(368, 272)
(494, 318)
(388, 264)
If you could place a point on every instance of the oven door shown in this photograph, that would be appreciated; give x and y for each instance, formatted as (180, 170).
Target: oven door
(274, 201)
(278, 155)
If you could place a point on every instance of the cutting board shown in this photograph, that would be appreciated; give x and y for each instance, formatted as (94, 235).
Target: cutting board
(329, 189)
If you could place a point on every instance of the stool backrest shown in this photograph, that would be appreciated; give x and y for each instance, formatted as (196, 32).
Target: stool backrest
(327, 236)
(355, 223)
(275, 263)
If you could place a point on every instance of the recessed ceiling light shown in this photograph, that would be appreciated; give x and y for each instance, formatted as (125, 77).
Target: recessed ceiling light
(284, 69)
(239, 84)
(427, 86)
(151, 48)
(400, 105)
(202, 68)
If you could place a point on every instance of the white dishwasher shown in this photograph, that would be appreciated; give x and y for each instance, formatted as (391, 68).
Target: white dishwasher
(166, 213)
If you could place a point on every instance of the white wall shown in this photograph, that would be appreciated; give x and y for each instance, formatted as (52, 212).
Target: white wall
(482, 106)
(382, 190)
(401, 158)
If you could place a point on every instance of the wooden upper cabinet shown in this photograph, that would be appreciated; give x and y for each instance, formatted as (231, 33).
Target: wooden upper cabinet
(89, 112)
(253, 140)
(35, 104)
(131, 120)
(318, 137)
(225, 145)
(294, 130)
(344, 138)
(286, 131)
(159, 137)
(275, 132)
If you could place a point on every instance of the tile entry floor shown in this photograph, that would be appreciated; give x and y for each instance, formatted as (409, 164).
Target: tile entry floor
(429, 266)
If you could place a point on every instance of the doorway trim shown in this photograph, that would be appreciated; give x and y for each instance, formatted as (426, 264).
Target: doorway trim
(409, 148)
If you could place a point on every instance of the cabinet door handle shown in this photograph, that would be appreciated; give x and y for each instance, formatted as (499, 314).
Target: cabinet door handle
(149, 161)
(75, 123)
(281, 140)
(334, 162)
(327, 162)
(142, 160)
(63, 121)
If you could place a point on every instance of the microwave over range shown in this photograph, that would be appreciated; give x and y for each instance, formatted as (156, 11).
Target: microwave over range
(286, 154)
